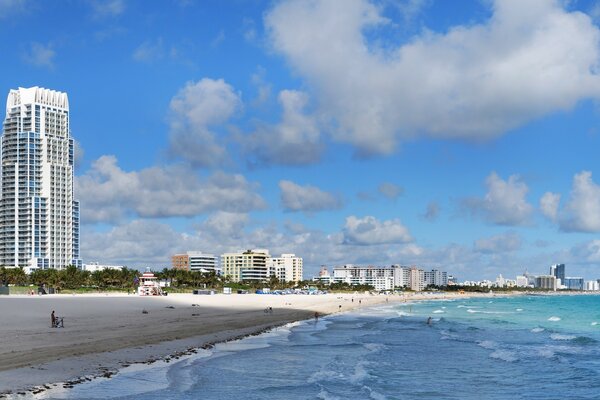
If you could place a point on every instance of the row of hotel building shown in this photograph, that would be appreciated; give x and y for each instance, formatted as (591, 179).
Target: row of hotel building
(249, 265)
(385, 278)
(556, 279)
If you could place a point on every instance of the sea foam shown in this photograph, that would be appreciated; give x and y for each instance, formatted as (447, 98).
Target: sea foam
(554, 319)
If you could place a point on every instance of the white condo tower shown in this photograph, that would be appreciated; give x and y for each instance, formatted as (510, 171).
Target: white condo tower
(39, 217)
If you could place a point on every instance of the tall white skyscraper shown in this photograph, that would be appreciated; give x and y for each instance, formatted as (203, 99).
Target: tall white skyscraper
(39, 217)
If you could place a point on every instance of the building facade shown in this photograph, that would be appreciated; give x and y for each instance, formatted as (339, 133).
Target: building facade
(287, 268)
(196, 261)
(573, 283)
(546, 282)
(249, 265)
(39, 216)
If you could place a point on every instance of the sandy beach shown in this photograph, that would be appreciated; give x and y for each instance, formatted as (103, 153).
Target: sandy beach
(107, 331)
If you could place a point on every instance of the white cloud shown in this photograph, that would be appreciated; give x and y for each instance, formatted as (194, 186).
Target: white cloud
(195, 108)
(150, 51)
(306, 198)
(390, 191)
(224, 223)
(587, 252)
(581, 212)
(8, 7)
(293, 141)
(549, 203)
(40, 55)
(369, 231)
(474, 81)
(108, 8)
(108, 193)
(506, 242)
(505, 202)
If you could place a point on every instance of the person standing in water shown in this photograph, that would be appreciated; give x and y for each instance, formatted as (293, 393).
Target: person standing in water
(53, 319)
(429, 321)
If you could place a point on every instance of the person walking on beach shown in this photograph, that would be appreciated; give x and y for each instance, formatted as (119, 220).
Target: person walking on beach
(53, 319)
(340, 307)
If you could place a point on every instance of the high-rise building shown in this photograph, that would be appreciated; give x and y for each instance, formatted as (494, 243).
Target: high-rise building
(546, 282)
(573, 283)
(558, 270)
(39, 216)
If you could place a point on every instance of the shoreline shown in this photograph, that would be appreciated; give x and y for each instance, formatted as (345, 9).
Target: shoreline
(60, 371)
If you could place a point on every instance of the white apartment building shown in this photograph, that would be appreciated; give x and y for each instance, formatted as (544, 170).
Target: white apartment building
(287, 268)
(592, 286)
(522, 281)
(39, 216)
(246, 265)
(416, 279)
(94, 266)
(381, 278)
(435, 277)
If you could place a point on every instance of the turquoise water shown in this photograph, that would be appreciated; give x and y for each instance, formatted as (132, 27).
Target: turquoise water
(533, 347)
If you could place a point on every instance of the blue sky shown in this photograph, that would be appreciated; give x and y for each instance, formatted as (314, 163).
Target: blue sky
(460, 135)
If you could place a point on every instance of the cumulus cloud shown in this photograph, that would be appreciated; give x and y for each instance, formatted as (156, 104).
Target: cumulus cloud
(390, 191)
(108, 193)
(369, 231)
(587, 252)
(505, 202)
(549, 203)
(40, 55)
(581, 212)
(193, 111)
(293, 141)
(476, 81)
(306, 198)
(506, 242)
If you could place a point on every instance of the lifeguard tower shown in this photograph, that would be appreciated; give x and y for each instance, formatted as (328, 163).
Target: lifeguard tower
(149, 285)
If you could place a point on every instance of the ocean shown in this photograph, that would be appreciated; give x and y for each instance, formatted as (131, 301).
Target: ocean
(528, 347)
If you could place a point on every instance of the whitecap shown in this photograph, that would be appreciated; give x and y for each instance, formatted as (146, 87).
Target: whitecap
(438, 311)
(472, 311)
(443, 307)
(504, 355)
(519, 309)
(546, 352)
(324, 375)
(558, 336)
(487, 344)
(554, 319)
(325, 395)
(537, 330)
(360, 373)
(594, 323)
(374, 346)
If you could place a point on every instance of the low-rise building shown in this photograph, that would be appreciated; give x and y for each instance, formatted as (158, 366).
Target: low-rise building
(95, 266)
(381, 278)
(592, 286)
(571, 283)
(196, 261)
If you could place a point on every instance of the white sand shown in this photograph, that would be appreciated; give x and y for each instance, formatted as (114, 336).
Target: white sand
(107, 331)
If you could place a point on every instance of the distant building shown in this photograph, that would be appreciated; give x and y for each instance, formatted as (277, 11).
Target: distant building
(452, 280)
(196, 261)
(573, 283)
(592, 286)
(546, 282)
(94, 266)
(287, 268)
(522, 281)
(249, 265)
(416, 279)
(558, 270)
(500, 281)
(324, 276)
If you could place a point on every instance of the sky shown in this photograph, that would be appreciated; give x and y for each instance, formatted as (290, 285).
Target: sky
(454, 135)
